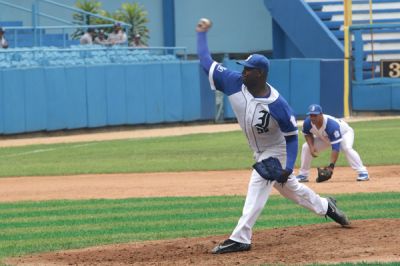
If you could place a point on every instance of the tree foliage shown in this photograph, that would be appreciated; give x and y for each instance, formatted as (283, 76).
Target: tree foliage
(92, 6)
(134, 14)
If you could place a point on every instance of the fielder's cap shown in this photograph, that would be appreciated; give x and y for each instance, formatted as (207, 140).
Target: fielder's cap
(314, 109)
(137, 36)
(117, 24)
(256, 61)
(1, 29)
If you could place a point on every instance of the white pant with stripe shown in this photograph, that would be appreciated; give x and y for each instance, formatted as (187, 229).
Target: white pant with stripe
(258, 193)
(346, 146)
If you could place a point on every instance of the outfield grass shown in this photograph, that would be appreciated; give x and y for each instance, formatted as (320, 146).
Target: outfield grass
(378, 143)
(29, 227)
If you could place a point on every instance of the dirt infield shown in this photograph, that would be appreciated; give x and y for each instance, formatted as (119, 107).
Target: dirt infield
(210, 183)
(366, 240)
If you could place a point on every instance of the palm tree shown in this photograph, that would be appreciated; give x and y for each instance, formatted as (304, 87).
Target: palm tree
(103, 21)
(134, 14)
(92, 6)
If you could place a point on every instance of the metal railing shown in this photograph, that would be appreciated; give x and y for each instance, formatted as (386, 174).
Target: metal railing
(373, 43)
(38, 31)
(34, 11)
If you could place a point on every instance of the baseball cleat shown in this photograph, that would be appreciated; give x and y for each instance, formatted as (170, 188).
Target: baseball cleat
(230, 246)
(363, 177)
(302, 178)
(336, 214)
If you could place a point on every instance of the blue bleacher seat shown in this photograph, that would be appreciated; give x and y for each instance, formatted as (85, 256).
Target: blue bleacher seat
(78, 55)
(11, 23)
(380, 42)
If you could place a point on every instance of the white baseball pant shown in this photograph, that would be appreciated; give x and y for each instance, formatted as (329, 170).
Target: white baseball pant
(258, 193)
(346, 146)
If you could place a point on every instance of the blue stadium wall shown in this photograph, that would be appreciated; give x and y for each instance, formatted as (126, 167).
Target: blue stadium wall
(58, 98)
(376, 95)
(87, 97)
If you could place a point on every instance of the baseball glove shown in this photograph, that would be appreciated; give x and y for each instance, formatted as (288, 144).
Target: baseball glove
(324, 174)
(271, 170)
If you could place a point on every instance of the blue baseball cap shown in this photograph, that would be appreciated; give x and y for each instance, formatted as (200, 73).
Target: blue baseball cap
(256, 61)
(314, 109)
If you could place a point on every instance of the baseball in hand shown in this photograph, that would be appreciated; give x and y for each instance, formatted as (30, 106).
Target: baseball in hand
(204, 24)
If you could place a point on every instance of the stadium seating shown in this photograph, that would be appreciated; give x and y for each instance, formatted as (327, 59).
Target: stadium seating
(378, 43)
(79, 55)
(55, 49)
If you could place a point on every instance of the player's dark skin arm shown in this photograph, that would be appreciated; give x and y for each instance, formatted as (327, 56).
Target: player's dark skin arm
(254, 79)
(334, 157)
(310, 142)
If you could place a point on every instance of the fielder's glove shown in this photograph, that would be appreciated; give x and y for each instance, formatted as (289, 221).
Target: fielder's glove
(324, 174)
(271, 170)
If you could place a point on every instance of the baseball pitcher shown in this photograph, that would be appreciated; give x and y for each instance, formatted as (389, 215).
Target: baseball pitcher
(270, 127)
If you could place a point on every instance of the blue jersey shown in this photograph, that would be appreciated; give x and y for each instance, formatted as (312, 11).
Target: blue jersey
(331, 131)
(265, 121)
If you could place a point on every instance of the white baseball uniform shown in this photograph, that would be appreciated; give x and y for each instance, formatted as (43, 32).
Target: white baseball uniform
(333, 131)
(265, 122)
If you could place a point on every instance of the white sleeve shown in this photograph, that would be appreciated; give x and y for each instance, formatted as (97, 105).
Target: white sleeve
(210, 75)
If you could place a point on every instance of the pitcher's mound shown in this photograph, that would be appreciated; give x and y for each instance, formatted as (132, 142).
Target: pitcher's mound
(367, 240)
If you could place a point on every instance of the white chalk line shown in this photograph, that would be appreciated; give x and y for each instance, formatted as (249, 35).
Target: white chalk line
(46, 150)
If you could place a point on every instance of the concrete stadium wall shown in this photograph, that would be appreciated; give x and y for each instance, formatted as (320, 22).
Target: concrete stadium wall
(58, 98)
(294, 41)
(238, 26)
(154, 8)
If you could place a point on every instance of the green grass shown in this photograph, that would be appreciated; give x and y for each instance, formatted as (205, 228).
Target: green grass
(30, 227)
(378, 143)
(184, 153)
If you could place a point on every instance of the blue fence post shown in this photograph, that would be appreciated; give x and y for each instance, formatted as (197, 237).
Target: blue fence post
(15, 39)
(64, 39)
(34, 24)
(37, 12)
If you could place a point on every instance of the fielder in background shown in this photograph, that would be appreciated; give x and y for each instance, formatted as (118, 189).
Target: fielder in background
(271, 130)
(322, 131)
